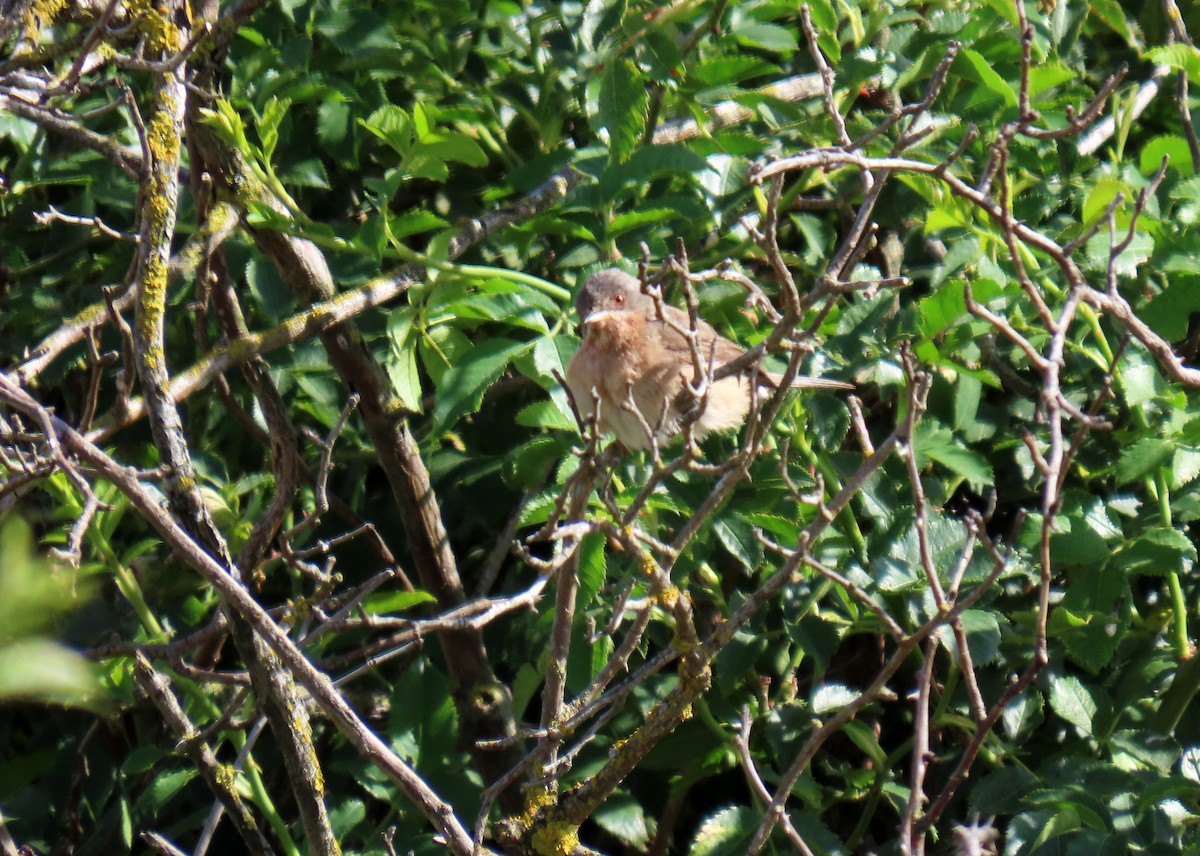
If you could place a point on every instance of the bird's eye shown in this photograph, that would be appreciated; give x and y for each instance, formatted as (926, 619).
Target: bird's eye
(619, 299)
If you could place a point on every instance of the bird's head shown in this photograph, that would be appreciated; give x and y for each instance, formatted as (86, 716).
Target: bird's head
(612, 290)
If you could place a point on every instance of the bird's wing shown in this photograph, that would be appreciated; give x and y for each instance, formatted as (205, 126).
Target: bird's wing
(724, 351)
(810, 382)
(719, 353)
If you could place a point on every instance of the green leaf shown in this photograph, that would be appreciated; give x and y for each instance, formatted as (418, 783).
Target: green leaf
(1187, 196)
(453, 146)
(1171, 146)
(392, 125)
(1156, 552)
(948, 305)
(1183, 57)
(1102, 193)
(401, 364)
(1113, 16)
(726, 832)
(415, 222)
(268, 128)
(979, 69)
(164, 786)
(1093, 617)
(347, 815)
(1142, 458)
(593, 568)
(550, 355)
(544, 414)
(830, 698)
(737, 537)
(735, 663)
(1146, 749)
(623, 223)
(461, 389)
(937, 444)
(1168, 313)
(769, 37)
(35, 669)
(1073, 701)
(390, 602)
(624, 818)
(1127, 261)
(649, 163)
(983, 636)
(1047, 75)
(621, 107)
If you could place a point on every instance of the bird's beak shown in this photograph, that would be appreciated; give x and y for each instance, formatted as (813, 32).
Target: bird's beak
(598, 315)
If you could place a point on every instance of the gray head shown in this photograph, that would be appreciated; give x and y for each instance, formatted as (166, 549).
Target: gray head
(612, 290)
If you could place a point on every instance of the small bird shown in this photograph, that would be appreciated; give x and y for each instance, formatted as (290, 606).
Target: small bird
(634, 359)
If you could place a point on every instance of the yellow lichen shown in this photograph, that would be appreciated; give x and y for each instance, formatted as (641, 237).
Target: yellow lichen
(555, 839)
(42, 14)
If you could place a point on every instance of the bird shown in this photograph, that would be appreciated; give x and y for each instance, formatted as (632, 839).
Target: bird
(633, 361)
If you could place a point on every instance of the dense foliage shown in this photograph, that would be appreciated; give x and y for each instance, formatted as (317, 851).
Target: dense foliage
(304, 549)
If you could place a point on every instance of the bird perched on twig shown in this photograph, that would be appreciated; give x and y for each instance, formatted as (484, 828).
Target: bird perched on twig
(640, 366)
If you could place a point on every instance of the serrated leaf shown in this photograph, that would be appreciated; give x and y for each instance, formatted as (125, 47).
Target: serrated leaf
(621, 107)
(401, 364)
(623, 817)
(1143, 458)
(550, 355)
(268, 128)
(980, 70)
(736, 661)
(401, 367)
(1022, 713)
(392, 125)
(333, 121)
(1146, 749)
(346, 815)
(1101, 195)
(727, 832)
(415, 222)
(1156, 552)
(1073, 701)
(1111, 13)
(453, 146)
(1098, 606)
(938, 444)
(461, 388)
(1046, 75)
(544, 414)
(1168, 313)
(1171, 146)
(593, 568)
(1139, 249)
(164, 786)
(1187, 195)
(737, 537)
(1184, 57)
(983, 636)
(830, 698)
